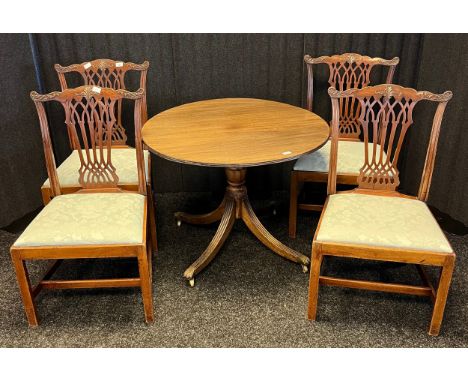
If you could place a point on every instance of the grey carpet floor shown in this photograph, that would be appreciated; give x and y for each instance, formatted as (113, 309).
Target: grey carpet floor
(248, 297)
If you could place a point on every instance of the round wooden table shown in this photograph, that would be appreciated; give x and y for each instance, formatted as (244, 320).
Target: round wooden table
(234, 133)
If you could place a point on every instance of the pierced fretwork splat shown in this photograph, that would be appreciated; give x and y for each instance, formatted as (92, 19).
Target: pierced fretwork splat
(109, 74)
(385, 120)
(90, 118)
(385, 117)
(347, 71)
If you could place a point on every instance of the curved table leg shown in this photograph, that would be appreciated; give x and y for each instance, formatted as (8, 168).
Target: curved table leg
(227, 222)
(235, 205)
(252, 222)
(208, 218)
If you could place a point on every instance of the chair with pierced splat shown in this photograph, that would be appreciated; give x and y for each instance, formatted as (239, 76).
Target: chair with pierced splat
(101, 219)
(110, 74)
(346, 71)
(374, 221)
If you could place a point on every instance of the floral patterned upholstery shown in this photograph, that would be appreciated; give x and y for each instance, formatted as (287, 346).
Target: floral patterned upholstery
(381, 221)
(123, 159)
(350, 158)
(87, 218)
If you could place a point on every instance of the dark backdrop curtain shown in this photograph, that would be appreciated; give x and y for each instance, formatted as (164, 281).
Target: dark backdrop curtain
(190, 67)
(22, 164)
(443, 65)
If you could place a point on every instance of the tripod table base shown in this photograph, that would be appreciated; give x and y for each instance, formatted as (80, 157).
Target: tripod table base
(235, 205)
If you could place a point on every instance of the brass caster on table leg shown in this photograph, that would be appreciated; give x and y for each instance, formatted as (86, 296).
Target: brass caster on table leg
(179, 223)
(305, 268)
(192, 282)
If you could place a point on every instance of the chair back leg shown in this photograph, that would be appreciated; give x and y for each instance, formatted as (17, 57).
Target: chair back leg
(152, 219)
(293, 195)
(46, 196)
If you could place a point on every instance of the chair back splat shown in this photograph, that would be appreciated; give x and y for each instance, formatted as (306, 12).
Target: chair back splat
(107, 73)
(347, 71)
(386, 113)
(90, 116)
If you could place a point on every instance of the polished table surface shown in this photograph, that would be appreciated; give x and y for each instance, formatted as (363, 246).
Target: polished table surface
(234, 133)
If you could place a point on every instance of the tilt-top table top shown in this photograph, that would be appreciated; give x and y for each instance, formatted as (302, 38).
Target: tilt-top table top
(234, 132)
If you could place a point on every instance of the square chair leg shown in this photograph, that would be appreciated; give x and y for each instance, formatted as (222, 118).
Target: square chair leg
(293, 195)
(25, 289)
(316, 264)
(441, 296)
(146, 284)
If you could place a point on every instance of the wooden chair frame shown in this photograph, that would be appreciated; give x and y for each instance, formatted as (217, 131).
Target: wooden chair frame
(110, 73)
(374, 180)
(348, 70)
(94, 177)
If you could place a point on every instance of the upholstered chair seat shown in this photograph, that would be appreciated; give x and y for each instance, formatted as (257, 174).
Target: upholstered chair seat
(350, 158)
(87, 219)
(381, 221)
(123, 159)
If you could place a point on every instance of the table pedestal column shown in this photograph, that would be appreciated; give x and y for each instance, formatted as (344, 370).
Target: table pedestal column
(235, 205)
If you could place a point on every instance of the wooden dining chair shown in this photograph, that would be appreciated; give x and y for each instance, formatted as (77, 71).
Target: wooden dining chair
(374, 221)
(346, 71)
(101, 219)
(110, 74)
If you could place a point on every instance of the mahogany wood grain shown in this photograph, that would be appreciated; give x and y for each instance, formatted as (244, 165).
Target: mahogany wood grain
(99, 283)
(208, 218)
(309, 207)
(295, 187)
(441, 296)
(426, 280)
(234, 132)
(376, 286)
(227, 222)
(24, 284)
(399, 255)
(47, 275)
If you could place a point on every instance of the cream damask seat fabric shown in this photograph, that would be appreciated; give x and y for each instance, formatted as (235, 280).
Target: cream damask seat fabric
(123, 159)
(87, 218)
(350, 158)
(381, 221)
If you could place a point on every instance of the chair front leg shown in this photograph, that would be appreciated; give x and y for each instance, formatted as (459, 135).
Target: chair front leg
(441, 297)
(317, 258)
(25, 289)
